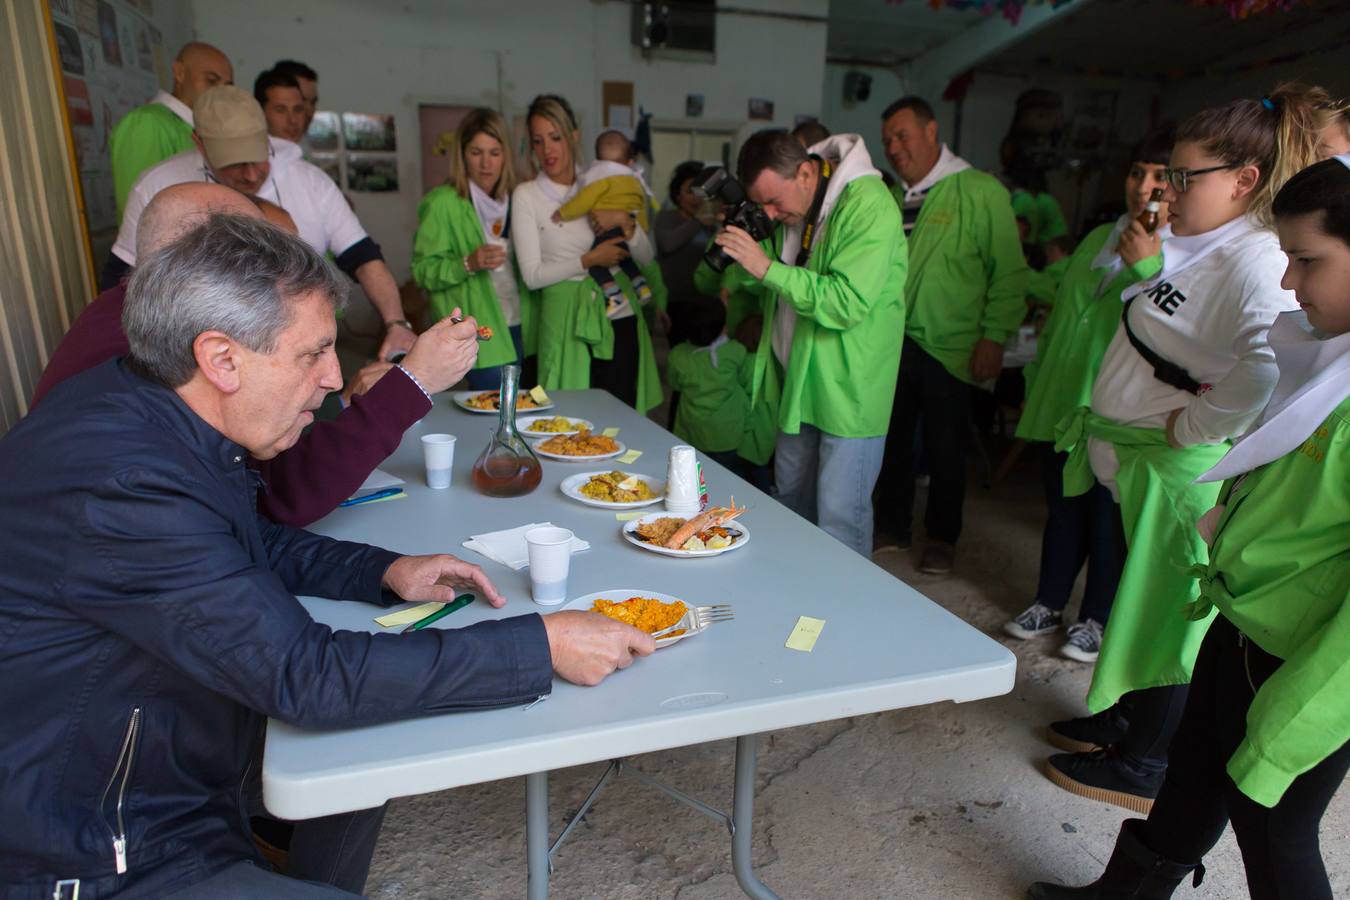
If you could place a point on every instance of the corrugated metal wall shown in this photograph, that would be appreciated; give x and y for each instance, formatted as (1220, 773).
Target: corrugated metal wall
(46, 276)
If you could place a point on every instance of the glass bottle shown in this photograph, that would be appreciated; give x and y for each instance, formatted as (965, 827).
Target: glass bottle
(1149, 218)
(507, 467)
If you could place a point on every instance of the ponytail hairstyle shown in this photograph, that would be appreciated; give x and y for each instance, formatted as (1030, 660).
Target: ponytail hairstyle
(482, 121)
(557, 112)
(1278, 134)
(1322, 187)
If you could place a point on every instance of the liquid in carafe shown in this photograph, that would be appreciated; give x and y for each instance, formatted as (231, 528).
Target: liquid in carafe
(507, 467)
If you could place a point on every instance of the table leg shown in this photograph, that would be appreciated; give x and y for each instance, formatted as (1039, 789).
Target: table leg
(743, 821)
(536, 833)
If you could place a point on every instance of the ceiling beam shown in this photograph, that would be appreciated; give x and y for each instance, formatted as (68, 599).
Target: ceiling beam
(934, 68)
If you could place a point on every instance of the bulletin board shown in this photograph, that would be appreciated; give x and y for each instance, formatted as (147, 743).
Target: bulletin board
(113, 59)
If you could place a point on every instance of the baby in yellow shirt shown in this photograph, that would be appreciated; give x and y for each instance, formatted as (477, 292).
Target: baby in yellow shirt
(610, 183)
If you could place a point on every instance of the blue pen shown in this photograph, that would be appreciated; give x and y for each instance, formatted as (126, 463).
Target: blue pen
(378, 495)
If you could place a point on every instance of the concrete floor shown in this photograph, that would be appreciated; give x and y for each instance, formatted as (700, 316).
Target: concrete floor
(938, 802)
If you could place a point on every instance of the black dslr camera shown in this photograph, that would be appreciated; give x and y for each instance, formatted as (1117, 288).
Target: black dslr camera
(715, 183)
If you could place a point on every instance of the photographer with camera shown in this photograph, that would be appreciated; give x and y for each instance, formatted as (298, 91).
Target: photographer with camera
(833, 280)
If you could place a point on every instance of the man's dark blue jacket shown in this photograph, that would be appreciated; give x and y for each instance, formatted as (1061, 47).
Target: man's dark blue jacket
(148, 624)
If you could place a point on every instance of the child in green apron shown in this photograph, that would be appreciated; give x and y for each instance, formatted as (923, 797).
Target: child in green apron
(1264, 738)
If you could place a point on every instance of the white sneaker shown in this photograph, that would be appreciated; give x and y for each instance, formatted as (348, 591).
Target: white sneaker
(1085, 641)
(1034, 621)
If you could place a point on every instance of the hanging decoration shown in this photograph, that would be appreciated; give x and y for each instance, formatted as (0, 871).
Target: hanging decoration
(1241, 9)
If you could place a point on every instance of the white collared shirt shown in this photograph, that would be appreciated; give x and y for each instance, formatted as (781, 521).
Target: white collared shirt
(176, 106)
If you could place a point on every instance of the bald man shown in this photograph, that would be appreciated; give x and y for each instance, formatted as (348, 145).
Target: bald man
(163, 127)
(332, 459)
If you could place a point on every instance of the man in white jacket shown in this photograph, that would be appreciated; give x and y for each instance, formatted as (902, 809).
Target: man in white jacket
(233, 149)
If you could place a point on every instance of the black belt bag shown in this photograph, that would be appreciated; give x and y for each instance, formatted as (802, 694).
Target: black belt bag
(1164, 370)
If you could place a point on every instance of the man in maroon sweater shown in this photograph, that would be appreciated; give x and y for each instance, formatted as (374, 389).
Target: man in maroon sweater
(333, 458)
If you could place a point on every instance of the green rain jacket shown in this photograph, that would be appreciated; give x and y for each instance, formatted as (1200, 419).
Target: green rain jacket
(1149, 641)
(850, 309)
(573, 329)
(1280, 571)
(1041, 212)
(1082, 322)
(447, 231)
(967, 276)
(145, 136)
(714, 407)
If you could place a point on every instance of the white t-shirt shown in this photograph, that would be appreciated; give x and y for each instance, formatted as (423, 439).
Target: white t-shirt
(549, 252)
(1211, 318)
(320, 211)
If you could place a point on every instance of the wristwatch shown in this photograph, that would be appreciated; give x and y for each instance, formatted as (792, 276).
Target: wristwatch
(390, 323)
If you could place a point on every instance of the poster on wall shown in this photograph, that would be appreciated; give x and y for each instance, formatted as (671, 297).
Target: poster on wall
(365, 131)
(761, 108)
(372, 174)
(322, 136)
(693, 105)
(112, 59)
(330, 164)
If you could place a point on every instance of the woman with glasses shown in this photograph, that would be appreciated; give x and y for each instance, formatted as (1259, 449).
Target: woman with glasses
(1187, 370)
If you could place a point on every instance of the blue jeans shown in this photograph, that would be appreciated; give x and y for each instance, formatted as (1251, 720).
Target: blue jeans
(490, 377)
(828, 480)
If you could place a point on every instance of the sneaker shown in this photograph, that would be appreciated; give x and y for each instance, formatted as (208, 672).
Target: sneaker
(1034, 621)
(1088, 733)
(937, 558)
(1085, 641)
(1104, 776)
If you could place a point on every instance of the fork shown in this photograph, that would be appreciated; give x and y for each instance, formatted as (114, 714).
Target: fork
(697, 618)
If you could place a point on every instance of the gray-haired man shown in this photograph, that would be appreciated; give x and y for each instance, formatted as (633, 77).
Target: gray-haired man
(148, 613)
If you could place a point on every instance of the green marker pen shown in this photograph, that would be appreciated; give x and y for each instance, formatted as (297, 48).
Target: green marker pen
(459, 602)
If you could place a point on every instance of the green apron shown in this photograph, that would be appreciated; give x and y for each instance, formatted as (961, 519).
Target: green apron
(1149, 639)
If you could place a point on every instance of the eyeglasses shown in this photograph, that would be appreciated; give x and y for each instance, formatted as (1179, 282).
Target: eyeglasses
(1179, 179)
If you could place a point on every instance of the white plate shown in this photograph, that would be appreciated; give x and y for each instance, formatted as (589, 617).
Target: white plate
(523, 426)
(572, 485)
(461, 399)
(630, 528)
(538, 448)
(618, 596)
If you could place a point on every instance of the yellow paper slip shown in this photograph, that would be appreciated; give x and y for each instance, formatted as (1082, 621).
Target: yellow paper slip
(629, 457)
(409, 615)
(630, 516)
(804, 636)
(610, 432)
(537, 393)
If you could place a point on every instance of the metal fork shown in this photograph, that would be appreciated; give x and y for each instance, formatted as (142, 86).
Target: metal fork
(697, 618)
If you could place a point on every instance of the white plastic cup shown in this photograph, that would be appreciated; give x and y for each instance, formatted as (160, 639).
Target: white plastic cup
(682, 494)
(439, 451)
(550, 550)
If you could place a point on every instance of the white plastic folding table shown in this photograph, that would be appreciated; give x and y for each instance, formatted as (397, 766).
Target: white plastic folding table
(884, 646)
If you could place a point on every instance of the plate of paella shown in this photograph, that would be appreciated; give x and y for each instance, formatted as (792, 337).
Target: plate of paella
(710, 533)
(614, 490)
(648, 611)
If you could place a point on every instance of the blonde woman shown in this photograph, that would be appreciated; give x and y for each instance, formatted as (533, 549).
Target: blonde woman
(462, 254)
(582, 343)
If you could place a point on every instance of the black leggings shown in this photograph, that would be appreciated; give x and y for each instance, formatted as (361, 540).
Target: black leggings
(1279, 846)
(619, 375)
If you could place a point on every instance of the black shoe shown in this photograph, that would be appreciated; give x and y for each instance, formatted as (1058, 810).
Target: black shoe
(1103, 775)
(1087, 733)
(1134, 872)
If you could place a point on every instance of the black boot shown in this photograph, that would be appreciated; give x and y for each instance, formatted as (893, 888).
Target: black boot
(1087, 733)
(1134, 872)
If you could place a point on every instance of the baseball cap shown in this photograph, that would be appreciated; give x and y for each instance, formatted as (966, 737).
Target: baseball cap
(231, 125)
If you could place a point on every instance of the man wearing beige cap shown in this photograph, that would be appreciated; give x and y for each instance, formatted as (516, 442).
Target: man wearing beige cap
(152, 133)
(233, 149)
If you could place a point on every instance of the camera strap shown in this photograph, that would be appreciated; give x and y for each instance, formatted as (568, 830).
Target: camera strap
(809, 225)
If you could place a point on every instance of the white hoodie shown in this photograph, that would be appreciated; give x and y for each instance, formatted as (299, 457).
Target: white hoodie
(848, 155)
(301, 188)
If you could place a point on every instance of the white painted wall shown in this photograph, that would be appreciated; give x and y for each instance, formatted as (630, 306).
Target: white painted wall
(380, 57)
(860, 118)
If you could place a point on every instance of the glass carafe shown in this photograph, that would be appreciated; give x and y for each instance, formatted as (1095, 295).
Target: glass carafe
(507, 467)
